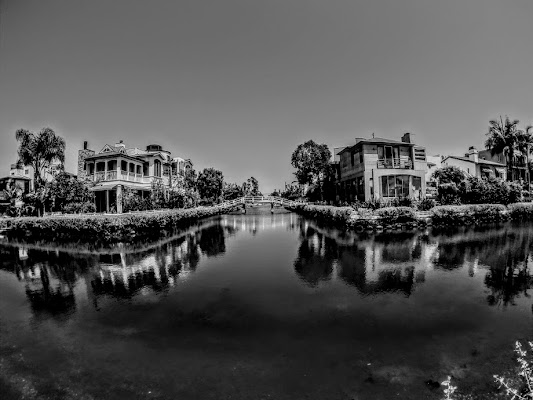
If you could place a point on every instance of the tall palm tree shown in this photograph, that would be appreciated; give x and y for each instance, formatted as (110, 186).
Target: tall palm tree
(504, 137)
(526, 145)
(40, 151)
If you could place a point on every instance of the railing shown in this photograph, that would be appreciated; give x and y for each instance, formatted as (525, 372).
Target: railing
(118, 175)
(395, 163)
(258, 199)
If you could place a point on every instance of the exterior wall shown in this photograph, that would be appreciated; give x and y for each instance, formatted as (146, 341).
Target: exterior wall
(352, 169)
(436, 160)
(469, 167)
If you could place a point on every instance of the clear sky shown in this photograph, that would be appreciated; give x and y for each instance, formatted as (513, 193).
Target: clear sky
(238, 84)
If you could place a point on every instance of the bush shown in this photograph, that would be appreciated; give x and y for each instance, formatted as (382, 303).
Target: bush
(490, 191)
(466, 214)
(393, 215)
(109, 228)
(426, 204)
(77, 208)
(520, 211)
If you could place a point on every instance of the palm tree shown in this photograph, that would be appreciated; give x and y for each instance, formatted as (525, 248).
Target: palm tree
(504, 137)
(40, 151)
(526, 146)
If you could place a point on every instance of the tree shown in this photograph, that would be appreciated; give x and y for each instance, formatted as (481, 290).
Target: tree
(210, 184)
(505, 137)
(251, 187)
(232, 191)
(448, 174)
(312, 163)
(64, 191)
(40, 151)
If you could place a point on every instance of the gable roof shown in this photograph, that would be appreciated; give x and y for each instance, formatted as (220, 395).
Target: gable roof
(480, 161)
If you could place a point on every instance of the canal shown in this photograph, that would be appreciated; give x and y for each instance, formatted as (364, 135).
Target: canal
(266, 307)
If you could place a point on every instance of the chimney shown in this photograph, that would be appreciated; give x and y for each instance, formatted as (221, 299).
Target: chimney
(120, 144)
(473, 154)
(85, 145)
(406, 138)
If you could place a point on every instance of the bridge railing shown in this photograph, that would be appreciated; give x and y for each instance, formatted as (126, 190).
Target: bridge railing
(258, 199)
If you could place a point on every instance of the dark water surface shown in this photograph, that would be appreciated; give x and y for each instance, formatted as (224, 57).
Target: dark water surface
(266, 307)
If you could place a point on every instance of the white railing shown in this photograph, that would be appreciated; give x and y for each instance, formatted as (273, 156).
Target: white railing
(258, 199)
(395, 163)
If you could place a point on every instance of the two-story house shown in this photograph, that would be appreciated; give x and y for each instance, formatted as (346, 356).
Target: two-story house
(520, 163)
(380, 168)
(116, 167)
(473, 165)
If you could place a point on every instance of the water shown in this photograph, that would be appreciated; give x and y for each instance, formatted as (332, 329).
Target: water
(265, 307)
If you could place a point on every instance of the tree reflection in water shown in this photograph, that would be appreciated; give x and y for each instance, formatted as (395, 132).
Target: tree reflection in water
(397, 262)
(51, 276)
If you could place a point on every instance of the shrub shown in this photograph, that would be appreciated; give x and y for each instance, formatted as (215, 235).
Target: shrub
(426, 204)
(109, 228)
(76, 208)
(448, 194)
(393, 215)
(521, 210)
(470, 213)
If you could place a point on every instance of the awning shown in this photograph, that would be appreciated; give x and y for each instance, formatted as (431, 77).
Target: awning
(487, 170)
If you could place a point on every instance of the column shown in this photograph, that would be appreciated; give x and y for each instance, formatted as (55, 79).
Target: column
(119, 199)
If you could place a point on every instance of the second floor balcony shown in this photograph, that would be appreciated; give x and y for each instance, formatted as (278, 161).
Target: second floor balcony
(119, 175)
(394, 163)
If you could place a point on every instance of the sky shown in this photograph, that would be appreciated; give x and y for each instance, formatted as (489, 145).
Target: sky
(238, 84)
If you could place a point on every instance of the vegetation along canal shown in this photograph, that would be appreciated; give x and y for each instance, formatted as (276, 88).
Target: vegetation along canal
(266, 307)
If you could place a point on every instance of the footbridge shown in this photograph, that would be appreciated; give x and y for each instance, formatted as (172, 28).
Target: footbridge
(249, 200)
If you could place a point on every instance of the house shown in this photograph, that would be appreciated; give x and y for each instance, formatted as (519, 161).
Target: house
(473, 165)
(20, 170)
(116, 167)
(379, 168)
(520, 165)
(434, 163)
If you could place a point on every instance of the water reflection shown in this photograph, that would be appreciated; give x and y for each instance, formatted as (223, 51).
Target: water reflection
(50, 277)
(398, 262)
(372, 265)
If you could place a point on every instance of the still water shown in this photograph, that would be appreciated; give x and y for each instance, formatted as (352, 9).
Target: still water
(265, 307)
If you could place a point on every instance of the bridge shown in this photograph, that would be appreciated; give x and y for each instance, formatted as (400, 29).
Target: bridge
(279, 201)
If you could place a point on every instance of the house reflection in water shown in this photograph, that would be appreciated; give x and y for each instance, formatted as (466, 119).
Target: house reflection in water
(372, 266)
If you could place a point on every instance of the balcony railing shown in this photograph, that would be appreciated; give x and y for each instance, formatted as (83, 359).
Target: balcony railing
(395, 163)
(115, 175)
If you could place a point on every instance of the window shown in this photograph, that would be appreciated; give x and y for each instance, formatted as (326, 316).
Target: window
(26, 172)
(124, 166)
(353, 158)
(420, 154)
(361, 156)
(395, 186)
(157, 168)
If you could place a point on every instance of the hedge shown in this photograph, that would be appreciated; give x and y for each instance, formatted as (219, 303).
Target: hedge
(328, 214)
(469, 213)
(521, 211)
(394, 215)
(108, 228)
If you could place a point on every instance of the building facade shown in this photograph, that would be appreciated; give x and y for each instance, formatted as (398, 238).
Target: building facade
(116, 167)
(520, 163)
(380, 168)
(472, 165)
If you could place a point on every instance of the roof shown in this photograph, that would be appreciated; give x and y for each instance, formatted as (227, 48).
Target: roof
(24, 178)
(376, 140)
(480, 161)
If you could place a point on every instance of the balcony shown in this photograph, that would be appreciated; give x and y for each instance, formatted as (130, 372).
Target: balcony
(118, 175)
(395, 163)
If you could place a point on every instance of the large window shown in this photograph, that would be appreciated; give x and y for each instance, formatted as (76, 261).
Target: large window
(395, 186)
(157, 168)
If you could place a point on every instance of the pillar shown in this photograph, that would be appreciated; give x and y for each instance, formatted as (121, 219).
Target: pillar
(119, 199)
